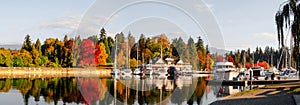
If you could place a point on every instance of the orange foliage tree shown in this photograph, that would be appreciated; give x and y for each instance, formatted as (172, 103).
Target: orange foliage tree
(101, 55)
(202, 59)
(263, 64)
(91, 53)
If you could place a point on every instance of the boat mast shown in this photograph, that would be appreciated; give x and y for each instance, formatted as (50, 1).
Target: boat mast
(290, 51)
(253, 59)
(286, 57)
(116, 44)
(161, 51)
(137, 54)
(244, 59)
(272, 58)
(127, 55)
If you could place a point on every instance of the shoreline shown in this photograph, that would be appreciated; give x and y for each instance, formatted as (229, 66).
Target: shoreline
(34, 72)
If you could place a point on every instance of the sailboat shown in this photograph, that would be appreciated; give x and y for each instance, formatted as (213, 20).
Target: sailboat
(127, 71)
(288, 72)
(137, 71)
(115, 71)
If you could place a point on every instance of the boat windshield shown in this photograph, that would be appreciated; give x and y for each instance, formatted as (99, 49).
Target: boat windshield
(224, 66)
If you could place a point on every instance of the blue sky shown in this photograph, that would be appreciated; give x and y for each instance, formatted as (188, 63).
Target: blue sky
(242, 24)
(247, 23)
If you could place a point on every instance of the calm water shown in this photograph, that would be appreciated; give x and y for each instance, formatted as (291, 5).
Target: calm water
(104, 91)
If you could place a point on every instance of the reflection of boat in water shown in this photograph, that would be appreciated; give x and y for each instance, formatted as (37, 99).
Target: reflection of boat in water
(126, 72)
(161, 71)
(225, 71)
(115, 72)
(126, 77)
(137, 71)
(115, 76)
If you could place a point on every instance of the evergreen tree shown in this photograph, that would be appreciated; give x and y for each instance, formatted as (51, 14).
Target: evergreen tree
(27, 44)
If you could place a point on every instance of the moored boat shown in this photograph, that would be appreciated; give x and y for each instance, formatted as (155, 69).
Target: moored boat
(225, 71)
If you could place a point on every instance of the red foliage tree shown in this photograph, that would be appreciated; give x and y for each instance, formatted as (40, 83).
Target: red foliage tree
(248, 65)
(230, 59)
(87, 53)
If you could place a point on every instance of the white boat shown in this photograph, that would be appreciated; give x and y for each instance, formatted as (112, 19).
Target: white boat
(225, 71)
(270, 72)
(289, 74)
(158, 65)
(224, 66)
(274, 70)
(137, 71)
(259, 73)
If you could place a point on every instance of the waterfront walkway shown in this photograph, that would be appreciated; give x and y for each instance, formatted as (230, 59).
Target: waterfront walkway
(280, 94)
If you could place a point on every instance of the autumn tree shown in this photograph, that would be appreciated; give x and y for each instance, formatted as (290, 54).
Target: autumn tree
(201, 53)
(5, 58)
(230, 59)
(101, 55)
(87, 53)
(133, 63)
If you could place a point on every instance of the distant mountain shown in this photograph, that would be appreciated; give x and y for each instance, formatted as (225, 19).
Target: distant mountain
(11, 46)
(214, 50)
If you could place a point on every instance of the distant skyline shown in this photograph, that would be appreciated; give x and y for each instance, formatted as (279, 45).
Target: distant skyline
(243, 24)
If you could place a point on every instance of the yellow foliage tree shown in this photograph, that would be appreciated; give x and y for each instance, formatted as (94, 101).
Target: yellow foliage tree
(202, 59)
(102, 54)
(163, 40)
(133, 63)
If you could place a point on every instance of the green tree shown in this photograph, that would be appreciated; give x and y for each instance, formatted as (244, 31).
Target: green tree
(38, 45)
(201, 53)
(27, 44)
(26, 57)
(5, 58)
(192, 53)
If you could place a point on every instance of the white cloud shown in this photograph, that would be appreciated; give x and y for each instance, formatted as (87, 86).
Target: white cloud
(77, 25)
(265, 35)
(68, 22)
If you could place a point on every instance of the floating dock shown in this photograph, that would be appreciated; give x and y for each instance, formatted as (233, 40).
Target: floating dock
(246, 83)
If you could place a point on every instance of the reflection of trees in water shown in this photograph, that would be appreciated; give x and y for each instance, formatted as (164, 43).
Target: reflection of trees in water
(199, 92)
(190, 93)
(93, 90)
(52, 89)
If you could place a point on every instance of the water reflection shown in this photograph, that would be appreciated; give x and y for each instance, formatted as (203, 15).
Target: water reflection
(104, 91)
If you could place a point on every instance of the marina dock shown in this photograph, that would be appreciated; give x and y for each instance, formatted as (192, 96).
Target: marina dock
(246, 83)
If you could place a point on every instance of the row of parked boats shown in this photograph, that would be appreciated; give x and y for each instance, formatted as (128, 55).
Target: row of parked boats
(227, 71)
(171, 71)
